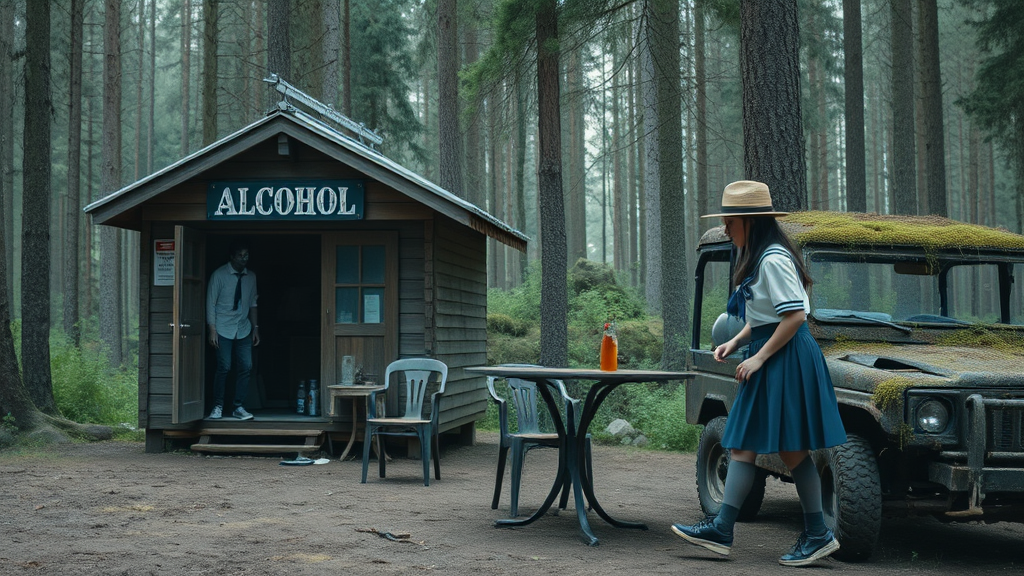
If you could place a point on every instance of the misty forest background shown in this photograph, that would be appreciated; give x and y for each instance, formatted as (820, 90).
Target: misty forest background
(600, 128)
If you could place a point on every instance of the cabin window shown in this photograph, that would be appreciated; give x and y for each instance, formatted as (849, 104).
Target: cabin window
(359, 284)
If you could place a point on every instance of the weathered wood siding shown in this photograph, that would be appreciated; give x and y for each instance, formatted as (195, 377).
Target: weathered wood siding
(458, 327)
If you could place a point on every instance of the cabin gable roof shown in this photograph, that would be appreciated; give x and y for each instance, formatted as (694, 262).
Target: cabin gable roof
(122, 208)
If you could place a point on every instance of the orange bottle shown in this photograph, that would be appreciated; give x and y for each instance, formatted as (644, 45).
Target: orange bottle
(609, 349)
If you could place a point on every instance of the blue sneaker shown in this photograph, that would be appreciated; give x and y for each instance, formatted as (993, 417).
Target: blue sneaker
(810, 548)
(704, 533)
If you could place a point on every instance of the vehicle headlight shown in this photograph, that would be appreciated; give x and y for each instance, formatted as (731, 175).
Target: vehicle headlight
(932, 416)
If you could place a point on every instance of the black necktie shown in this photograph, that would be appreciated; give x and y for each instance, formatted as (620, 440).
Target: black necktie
(238, 290)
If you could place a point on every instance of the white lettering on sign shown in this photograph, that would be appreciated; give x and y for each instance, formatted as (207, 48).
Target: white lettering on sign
(242, 198)
(227, 204)
(265, 201)
(301, 200)
(326, 194)
(304, 201)
(344, 201)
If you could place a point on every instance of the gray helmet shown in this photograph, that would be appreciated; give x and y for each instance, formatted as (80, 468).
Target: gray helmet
(726, 328)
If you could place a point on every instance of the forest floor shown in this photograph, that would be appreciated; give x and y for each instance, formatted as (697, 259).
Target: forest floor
(110, 508)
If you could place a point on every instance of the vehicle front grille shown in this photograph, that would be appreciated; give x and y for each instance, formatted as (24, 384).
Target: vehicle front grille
(1005, 433)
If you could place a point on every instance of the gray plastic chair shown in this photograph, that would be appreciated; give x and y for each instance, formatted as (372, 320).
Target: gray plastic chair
(527, 435)
(417, 374)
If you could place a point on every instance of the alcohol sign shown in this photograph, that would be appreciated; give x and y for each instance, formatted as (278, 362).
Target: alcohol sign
(285, 200)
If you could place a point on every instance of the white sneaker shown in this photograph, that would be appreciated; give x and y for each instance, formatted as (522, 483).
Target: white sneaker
(242, 414)
(215, 414)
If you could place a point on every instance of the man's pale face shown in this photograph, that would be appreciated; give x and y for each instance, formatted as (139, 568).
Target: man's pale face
(240, 259)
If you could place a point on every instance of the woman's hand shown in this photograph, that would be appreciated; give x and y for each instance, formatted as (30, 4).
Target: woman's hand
(748, 367)
(724, 350)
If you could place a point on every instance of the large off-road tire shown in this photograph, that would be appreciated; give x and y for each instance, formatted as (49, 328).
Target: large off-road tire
(851, 497)
(712, 466)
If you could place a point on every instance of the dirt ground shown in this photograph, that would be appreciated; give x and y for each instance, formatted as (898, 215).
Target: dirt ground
(110, 508)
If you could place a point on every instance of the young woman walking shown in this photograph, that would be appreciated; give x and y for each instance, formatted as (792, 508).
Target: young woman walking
(785, 404)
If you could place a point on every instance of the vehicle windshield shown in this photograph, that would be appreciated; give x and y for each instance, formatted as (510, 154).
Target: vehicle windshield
(885, 289)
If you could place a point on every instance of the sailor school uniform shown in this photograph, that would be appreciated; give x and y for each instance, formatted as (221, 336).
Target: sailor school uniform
(789, 404)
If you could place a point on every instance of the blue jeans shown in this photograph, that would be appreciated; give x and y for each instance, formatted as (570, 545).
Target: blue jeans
(240, 351)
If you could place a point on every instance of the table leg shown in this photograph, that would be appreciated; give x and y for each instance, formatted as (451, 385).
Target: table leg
(352, 436)
(594, 400)
(579, 480)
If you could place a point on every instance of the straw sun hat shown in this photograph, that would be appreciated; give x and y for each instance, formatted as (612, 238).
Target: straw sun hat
(746, 198)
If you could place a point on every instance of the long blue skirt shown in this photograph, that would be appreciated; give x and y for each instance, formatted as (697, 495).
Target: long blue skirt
(787, 405)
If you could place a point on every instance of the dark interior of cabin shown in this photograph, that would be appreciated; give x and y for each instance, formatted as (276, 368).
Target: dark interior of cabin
(287, 268)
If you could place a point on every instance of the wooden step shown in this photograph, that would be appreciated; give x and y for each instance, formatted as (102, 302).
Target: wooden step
(256, 432)
(313, 440)
(254, 448)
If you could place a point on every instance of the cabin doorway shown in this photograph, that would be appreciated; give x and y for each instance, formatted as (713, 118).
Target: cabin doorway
(288, 275)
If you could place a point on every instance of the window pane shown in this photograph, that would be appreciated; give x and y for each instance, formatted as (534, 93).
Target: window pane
(373, 303)
(373, 264)
(346, 305)
(347, 259)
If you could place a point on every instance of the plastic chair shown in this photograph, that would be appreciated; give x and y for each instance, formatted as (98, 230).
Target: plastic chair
(525, 396)
(417, 374)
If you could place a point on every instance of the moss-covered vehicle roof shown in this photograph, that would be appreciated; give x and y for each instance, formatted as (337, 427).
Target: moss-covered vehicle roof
(854, 229)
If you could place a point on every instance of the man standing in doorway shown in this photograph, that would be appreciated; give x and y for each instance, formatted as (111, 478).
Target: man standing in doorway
(231, 321)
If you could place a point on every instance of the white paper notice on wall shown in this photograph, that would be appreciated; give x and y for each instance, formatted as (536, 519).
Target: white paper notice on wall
(371, 308)
(163, 263)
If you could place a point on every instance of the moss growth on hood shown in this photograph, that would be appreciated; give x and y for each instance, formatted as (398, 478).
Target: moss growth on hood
(930, 232)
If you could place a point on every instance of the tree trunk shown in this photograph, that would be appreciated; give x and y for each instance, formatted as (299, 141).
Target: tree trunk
(631, 180)
(331, 11)
(652, 185)
(152, 88)
(576, 177)
(773, 146)
(210, 17)
(346, 60)
(7, 137)
(903, 173)
(554, 302)
(664, 36)
(279, 44)
(931, 100)
(110, 243)
(448, 133)
(35, 252)
(853, 76)
(520, 169)
(73, 208)
(186, 72)
(619, 202)
(476, 190)
(705, 198)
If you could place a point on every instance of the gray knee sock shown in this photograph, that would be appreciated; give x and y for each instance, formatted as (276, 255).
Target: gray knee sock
(808, 487)
(738, 481)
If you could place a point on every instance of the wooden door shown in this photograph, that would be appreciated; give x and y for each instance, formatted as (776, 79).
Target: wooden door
(189, 322)
(359, 302)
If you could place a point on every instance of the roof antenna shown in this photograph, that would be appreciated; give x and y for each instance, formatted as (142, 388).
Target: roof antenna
(324, 110)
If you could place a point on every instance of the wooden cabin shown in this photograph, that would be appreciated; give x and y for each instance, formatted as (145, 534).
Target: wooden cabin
(311, 202)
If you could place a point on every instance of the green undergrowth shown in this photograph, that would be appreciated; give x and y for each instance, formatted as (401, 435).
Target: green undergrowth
(596, 296)
(87, 389)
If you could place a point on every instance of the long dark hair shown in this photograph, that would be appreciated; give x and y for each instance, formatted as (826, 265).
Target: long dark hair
(762, 232)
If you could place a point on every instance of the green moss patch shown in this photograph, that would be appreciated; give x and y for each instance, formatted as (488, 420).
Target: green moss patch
(929, 232)
(889, 394)
(1006, 341)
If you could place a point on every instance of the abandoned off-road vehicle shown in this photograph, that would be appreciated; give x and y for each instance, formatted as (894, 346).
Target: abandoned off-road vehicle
(922, 326)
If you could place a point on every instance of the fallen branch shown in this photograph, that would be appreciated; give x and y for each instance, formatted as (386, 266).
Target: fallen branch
(393, 536)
